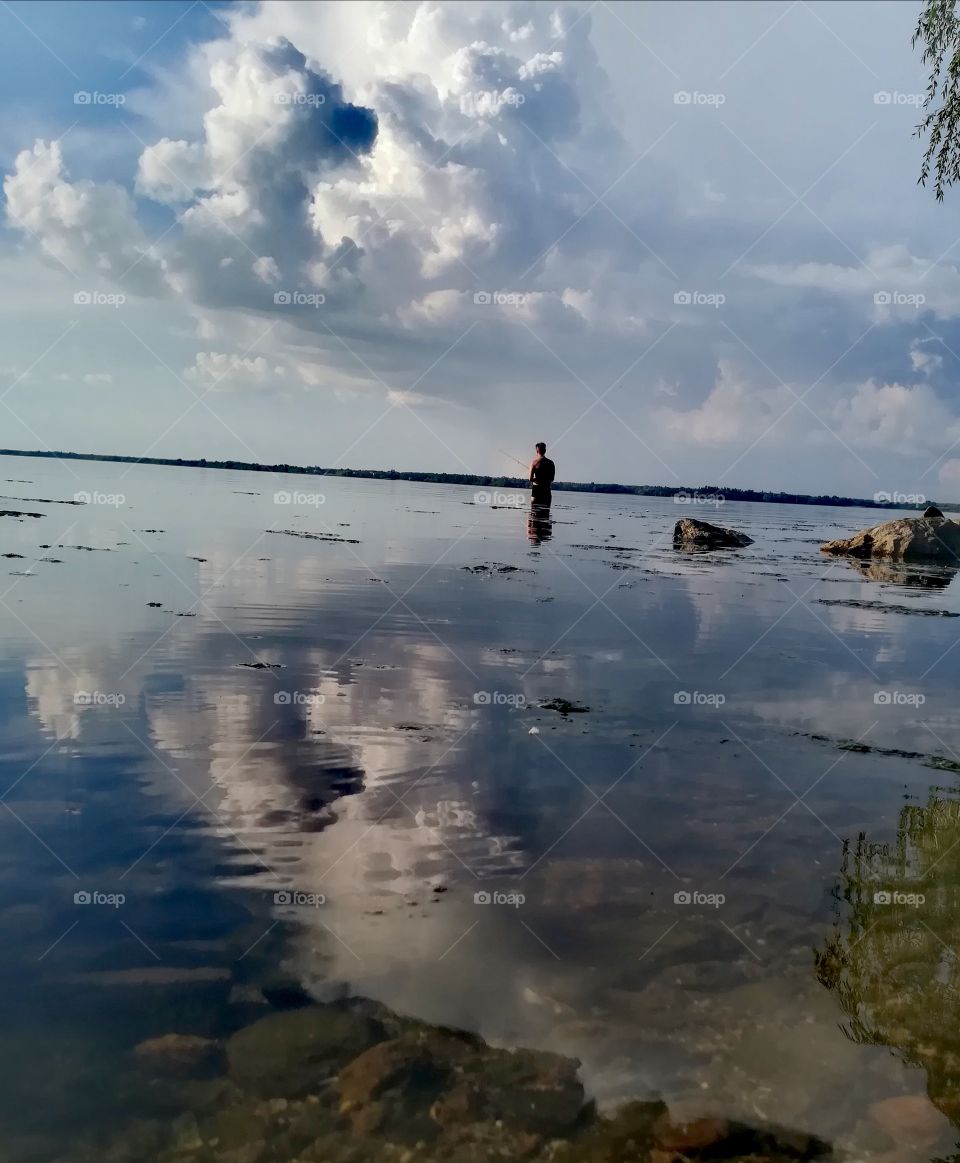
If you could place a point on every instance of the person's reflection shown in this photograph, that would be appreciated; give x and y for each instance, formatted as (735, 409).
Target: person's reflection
(539, 525)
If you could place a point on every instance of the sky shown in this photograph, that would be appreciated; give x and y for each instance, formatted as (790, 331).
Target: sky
(683, 244)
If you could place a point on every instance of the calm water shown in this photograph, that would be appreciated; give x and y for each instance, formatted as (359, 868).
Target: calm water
(227, 825)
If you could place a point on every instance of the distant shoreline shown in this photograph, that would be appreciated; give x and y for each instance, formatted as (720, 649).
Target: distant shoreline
(704, 494)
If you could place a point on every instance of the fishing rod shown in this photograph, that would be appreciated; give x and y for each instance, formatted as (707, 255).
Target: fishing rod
(510, 457)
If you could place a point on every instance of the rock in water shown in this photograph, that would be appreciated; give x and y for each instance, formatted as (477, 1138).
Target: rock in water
(906, 539)
(932, 511)
(427, 1081)
(689, 533)
(294, 1052)
(178, 1054)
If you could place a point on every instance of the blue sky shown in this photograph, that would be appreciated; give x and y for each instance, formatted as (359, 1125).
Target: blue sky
(682, 244)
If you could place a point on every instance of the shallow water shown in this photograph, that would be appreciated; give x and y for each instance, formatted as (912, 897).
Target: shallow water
(675, 886)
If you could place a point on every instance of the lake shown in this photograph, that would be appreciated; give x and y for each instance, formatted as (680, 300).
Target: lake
(691, 819)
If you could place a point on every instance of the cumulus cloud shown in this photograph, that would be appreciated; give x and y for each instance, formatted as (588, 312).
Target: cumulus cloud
(220, 370)
(441, 177)
(90, 228)
(896, 417)
(735, 412)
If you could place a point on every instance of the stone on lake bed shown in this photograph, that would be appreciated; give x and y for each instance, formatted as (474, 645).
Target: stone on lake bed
(688, 533)
(296, 1051)
(427, 1079)
(178, 1053)
(926, 538)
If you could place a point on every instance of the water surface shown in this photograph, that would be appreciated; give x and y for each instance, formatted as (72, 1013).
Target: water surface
(328, 761)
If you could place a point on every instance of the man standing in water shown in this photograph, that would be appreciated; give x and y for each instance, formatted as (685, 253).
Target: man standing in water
(542, 472)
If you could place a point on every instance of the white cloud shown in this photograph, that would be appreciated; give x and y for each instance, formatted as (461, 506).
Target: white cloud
(735, 412)
(217, 369)
(897, 418)
(91, 228)
(890, 284)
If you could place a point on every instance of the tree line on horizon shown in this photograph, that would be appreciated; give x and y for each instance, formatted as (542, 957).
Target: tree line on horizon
(701, 494)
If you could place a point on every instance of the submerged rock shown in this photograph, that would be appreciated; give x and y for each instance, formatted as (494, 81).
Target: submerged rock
(645, 1131)
(178, 1054)
(296, 1051)
(429, 1080)
(932, 538)
(688, 533)
(353, 1081)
